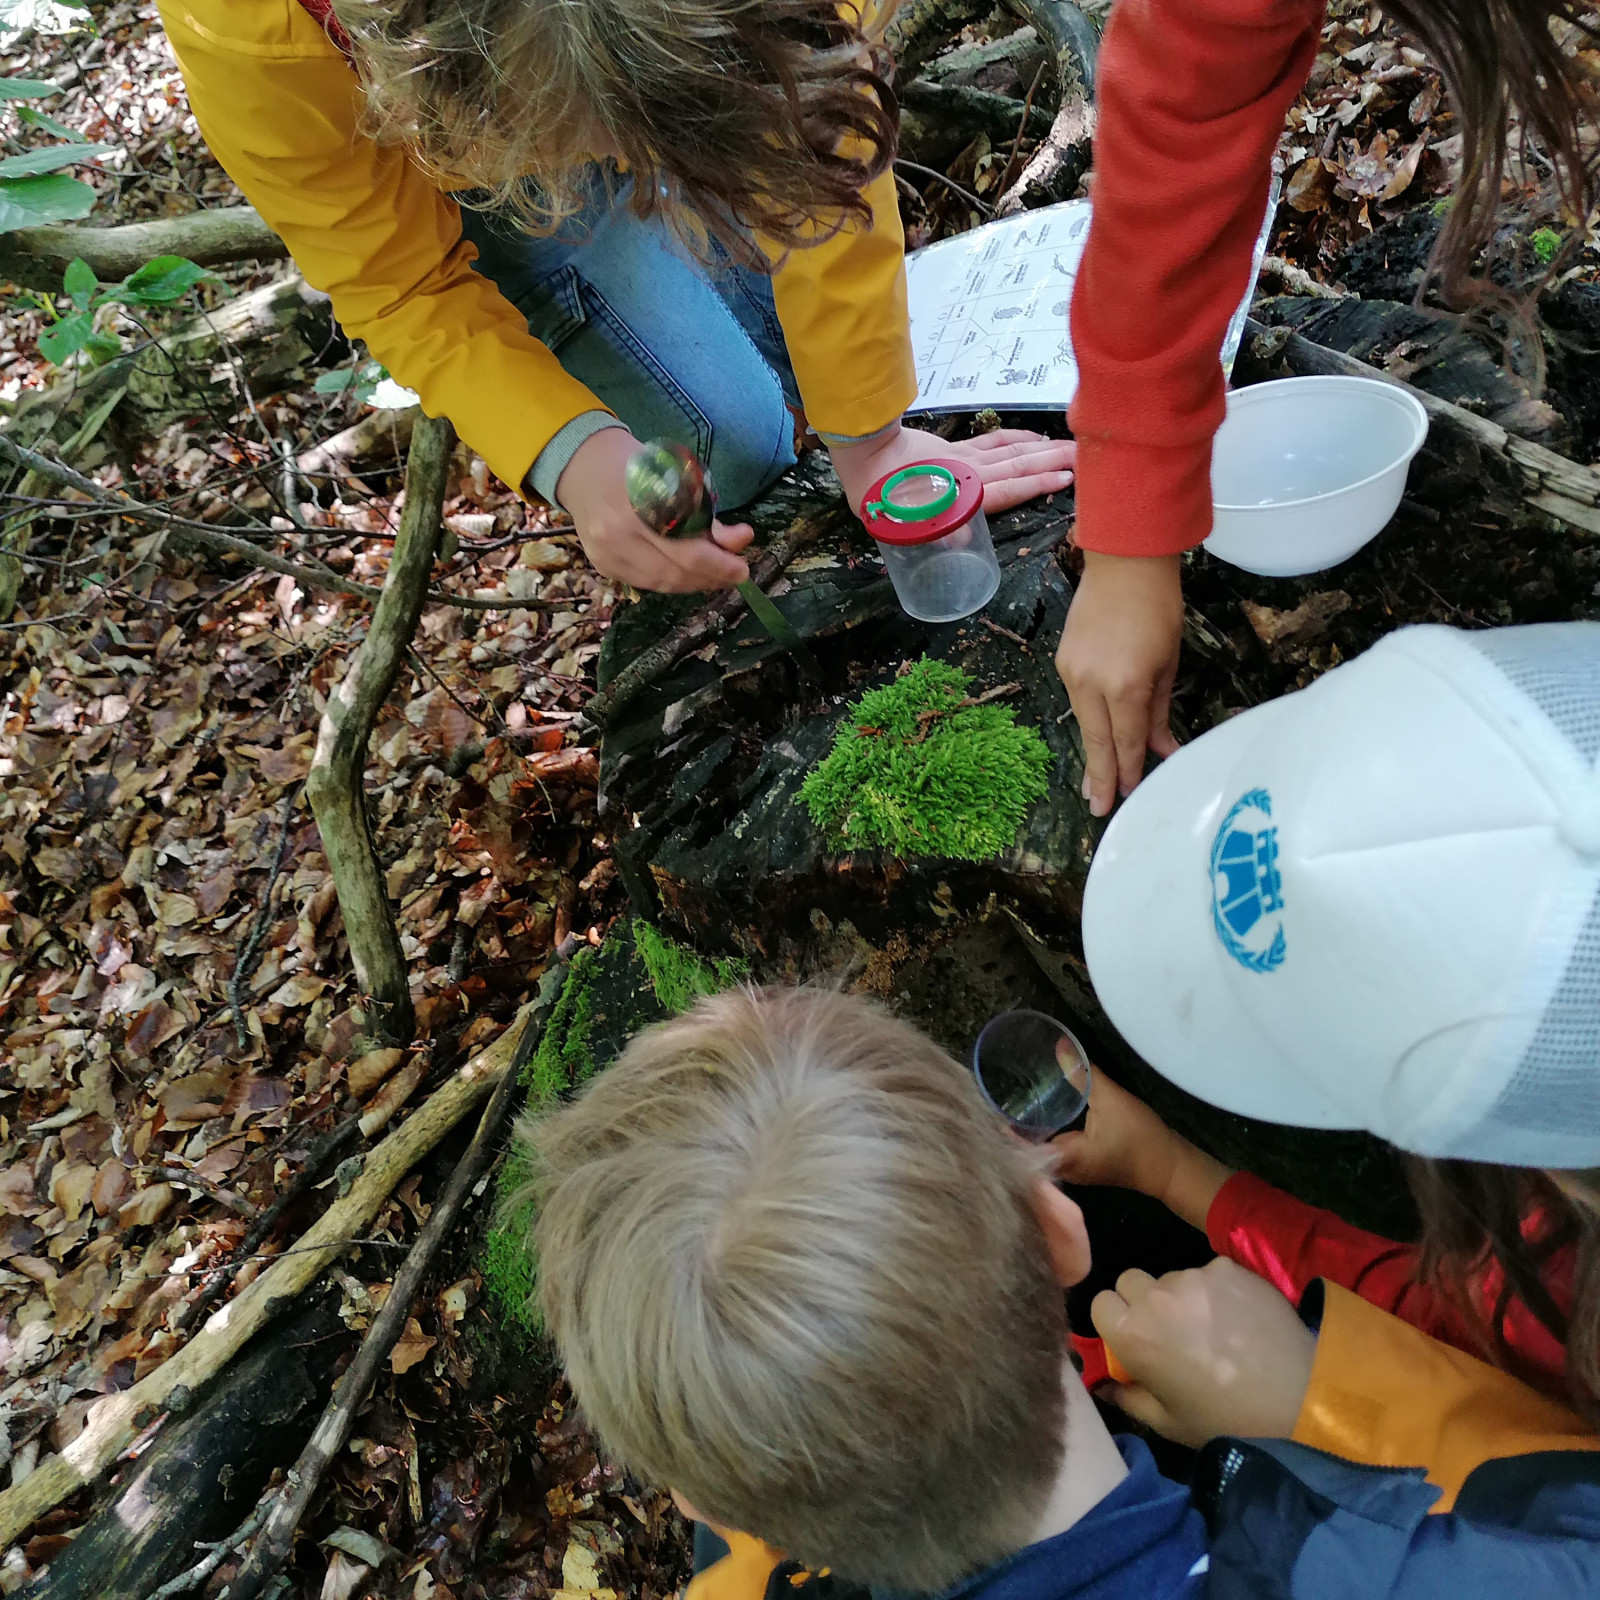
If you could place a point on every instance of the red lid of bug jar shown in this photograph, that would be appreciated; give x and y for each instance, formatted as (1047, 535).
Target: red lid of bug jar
(930, 528)
(922, 502)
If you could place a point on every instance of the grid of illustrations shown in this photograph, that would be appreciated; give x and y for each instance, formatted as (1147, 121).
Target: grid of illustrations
(989, 313)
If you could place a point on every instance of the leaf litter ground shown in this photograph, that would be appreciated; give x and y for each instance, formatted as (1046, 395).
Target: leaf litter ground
(157, 723)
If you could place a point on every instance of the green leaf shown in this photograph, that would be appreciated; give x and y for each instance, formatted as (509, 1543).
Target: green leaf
(41, 119)
(79, 282)
(26, 89)
(367, 376)
(28, 202)
(160, 282)
(67, 337)
(51, 158)
(103, 347)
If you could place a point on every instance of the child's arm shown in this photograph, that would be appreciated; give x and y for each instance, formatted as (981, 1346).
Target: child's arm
(1125, 1144)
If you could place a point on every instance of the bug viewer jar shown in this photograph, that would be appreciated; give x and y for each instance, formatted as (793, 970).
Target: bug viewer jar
(931, 532)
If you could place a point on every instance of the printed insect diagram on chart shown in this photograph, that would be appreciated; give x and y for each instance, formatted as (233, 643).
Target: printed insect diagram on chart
(989, 311)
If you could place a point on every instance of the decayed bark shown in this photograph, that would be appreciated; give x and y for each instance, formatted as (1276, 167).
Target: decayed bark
(116, 1420)
(1554, 483)
(1055, 168)
(37, 257)
(335, 785)
(923, 28)
(199, 1480)
(380, 434)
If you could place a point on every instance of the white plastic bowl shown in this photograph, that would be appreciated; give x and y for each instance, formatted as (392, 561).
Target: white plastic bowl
(1305, 471)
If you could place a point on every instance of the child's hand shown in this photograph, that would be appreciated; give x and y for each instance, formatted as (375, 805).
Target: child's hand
(1211, 1351)
(1125, 1144)
(1014, 464)
(618, 544)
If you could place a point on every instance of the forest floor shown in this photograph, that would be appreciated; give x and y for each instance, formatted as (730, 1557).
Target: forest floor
(156, 726)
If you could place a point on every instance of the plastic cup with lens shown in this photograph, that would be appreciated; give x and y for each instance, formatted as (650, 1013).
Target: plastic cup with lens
(1033, 1071)
(934, 539)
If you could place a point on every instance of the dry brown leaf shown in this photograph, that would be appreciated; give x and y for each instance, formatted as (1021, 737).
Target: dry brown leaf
(77, 1297)
(411, 1347)
(112, 1185)
(212, 895)
(151, 1029)
(70, 1186)
(298, 989)
(366, 1072)
(343, 1576)
(147, 1206)
(393, 1095)
(193, 1099)
(174, 910)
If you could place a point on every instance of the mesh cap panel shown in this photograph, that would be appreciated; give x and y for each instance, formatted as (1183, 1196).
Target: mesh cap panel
(1557, 665)
(1555, 1088)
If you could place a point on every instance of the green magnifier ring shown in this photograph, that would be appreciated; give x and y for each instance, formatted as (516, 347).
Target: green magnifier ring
(922, 513)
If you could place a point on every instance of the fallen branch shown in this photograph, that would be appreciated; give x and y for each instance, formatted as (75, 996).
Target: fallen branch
(382, 433)
(183, 528)
(921, 29)
(332, 1432)
(1554, 483)
(706, 623)
(37, 257)
(117, 1419)
(336, 785)
(1055, 169)
(1298, 281)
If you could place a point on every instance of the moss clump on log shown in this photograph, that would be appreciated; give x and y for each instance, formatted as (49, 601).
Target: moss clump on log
(638, 976)
(921, 767)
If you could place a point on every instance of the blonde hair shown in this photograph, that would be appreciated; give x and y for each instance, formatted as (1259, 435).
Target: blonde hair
(732, 117)
(791, 1262)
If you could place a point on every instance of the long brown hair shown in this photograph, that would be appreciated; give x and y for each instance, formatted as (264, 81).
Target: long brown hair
(730, 116)
(1520, 1218)
(1496, 56)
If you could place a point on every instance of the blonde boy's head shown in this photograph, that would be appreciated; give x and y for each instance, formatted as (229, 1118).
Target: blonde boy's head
(792, 1265)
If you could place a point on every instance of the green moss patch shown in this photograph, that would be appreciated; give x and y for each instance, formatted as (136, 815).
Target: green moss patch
(921, 768)
(637, 977)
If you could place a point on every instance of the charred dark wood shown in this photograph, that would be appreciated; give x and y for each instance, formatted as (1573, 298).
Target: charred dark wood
(200, 1479)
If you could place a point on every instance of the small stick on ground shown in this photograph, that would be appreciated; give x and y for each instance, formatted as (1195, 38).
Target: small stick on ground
(277, 1537)
(208, 1186)
(926, 719)
(658, 659)
(318, 1159)
(219, 1552)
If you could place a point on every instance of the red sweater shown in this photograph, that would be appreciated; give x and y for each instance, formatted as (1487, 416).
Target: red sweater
(1290, 1243)
(1191, 98)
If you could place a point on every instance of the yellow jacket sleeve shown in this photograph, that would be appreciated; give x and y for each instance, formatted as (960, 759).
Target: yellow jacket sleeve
(842, 304)
(279, 105)
(1384, 1393)
(742, 1574)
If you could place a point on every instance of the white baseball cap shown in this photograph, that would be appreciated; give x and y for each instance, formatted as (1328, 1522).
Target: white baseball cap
(1376, 903)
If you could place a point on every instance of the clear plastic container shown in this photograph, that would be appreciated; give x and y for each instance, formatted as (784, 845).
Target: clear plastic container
(1033, 1071)
(930, 529)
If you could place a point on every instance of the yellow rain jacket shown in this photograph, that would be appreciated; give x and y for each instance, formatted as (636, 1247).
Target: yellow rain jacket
(279, 106)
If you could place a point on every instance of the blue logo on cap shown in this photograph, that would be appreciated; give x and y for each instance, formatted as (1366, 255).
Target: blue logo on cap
(1246, 890)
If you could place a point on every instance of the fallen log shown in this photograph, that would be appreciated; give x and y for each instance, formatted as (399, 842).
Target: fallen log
(379, 435)
(199, 1480)
(117, 1419)
(1057, 167)
(35, 258)
(937, 120)
(1553, 483)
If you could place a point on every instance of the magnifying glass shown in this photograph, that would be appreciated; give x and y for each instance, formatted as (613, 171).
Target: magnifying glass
(1034, 1072)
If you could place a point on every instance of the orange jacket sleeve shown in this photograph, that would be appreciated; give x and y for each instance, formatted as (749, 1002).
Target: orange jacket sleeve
(1385, 1394)
(1191, 98)
(279, 107)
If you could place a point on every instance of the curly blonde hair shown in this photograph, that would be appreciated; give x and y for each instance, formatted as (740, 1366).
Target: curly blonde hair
(733, 118)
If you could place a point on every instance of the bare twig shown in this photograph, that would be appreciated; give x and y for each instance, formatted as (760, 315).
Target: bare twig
(659, 658)
(333, 1430)
(208, 1186)
(318, 1159)
(313, 577)
(926, 719)
(950, 183)
(219, 1552)
(1022, 128)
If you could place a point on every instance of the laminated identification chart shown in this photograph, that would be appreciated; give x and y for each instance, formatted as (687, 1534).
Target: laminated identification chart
(989, 311)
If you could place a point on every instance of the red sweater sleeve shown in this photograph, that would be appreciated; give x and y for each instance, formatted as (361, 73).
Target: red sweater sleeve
(1191, 98)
